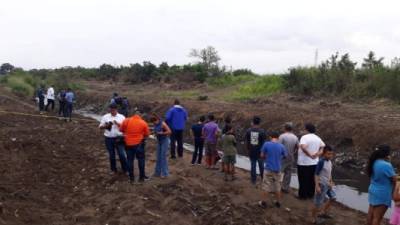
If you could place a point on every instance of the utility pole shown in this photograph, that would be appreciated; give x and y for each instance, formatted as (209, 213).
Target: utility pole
(316, 58)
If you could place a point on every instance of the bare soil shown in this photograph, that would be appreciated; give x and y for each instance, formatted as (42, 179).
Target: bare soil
(54, 172)
(352, 128)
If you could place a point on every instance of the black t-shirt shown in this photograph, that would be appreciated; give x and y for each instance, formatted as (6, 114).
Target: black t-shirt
(197, 130)
(255, 138)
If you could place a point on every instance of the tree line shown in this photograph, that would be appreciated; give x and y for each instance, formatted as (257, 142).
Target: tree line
(336, 76)
(340, 76)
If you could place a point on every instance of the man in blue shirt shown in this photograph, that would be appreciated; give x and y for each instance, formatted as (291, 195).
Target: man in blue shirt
(176, 118)
(273, 152)
(69, 100)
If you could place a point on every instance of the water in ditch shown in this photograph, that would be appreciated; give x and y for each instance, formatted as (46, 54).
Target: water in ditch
(351, 186)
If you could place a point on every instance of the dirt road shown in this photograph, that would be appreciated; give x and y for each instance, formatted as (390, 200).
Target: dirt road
(55, 172)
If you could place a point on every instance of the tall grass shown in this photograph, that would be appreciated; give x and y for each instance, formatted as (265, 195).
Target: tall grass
(24, 83)
(259, 87)
(20, 83)
(229, 80)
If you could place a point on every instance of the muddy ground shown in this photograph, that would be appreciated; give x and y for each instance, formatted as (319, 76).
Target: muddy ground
(53, 172)
(353, 128)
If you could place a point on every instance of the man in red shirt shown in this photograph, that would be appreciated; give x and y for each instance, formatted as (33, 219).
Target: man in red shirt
(135, 131)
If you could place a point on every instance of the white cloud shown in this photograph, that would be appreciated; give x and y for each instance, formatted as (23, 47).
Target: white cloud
(266, 36)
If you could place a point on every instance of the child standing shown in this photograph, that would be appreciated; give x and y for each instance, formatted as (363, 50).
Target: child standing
(229, 148)
(196, 132)
(324, 194)
(395, 218)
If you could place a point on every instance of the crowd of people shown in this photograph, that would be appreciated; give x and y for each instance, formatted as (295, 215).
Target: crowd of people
(272, 157)
(46, 101)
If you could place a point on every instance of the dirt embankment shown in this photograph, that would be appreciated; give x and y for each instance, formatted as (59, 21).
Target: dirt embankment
(55, 172)
(352, 128)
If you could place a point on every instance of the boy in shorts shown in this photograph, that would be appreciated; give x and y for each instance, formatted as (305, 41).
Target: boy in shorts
(273, 152)
(324, 194)
(229, 148)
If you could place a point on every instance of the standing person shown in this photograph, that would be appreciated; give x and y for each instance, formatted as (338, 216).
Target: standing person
(395, 217)
(227, 125)
(124, 107)
(324, 194)
(40, 94)
(135, 131)
(273, 152)
(69, 101)
(176, 118)
(308, 155)
(114, 98)
(291, 143)
(162, 132)
(114, 138)
(255, 138)
(50, 98)
(383, 180)
(61, 102)
(196, 133)
(229, 148)
(210, 134)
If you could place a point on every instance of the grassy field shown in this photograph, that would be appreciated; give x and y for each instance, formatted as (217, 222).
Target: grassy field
(245, 87)
(25, 84)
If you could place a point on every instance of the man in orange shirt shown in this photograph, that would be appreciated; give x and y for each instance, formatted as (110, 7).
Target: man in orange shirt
(135, 131)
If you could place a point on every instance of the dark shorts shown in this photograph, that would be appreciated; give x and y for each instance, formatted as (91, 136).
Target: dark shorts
(211, 149)
(229, 159)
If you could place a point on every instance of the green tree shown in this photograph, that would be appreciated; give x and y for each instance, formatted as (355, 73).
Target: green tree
(371, 62)
(208, 57)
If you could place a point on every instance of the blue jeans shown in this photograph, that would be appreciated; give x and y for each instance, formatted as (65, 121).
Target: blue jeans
(253, 170)
(111, 145)
(162, 161)
(68, 110)
(198, 150)
(326, 194)
(132, 152)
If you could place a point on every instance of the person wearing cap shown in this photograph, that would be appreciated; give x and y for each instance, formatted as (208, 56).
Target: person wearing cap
(114, 139)
(291, 142)
(135, 131)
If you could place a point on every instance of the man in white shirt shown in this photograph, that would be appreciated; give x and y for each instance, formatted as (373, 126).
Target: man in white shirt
(114, 138)
(50, 98)
(310, 148)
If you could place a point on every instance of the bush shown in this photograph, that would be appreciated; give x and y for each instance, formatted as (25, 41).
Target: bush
(260, 87)
(19, 86)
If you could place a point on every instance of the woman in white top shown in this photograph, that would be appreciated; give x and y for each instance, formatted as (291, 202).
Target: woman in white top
(310, 148)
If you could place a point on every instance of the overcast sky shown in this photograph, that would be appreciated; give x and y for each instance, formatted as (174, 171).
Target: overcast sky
(265, 36)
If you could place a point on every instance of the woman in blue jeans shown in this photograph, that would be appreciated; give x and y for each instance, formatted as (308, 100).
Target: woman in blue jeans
(162, 132)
